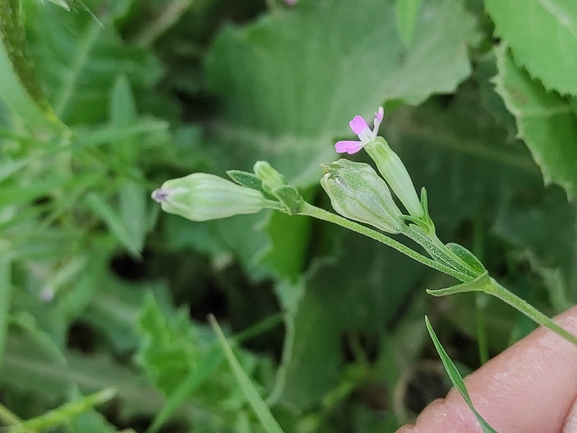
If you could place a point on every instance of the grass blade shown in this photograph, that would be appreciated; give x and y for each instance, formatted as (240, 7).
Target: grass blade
(456, 377)
(260, 408)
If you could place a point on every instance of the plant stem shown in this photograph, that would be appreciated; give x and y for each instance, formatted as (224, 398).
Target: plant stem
(527, 309)
(462, 274)
(480, 298)
(438, 250)
(324, 215)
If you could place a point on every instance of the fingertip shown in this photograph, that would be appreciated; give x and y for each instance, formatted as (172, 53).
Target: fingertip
(444, 415)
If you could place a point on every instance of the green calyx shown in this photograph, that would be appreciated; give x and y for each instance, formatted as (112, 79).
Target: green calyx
(358, 193)
(203, 197)
(395, 173)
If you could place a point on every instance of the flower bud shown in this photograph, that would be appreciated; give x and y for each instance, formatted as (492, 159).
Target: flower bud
(271, 178)
(393, 170)
(358, 193)
(203, 197)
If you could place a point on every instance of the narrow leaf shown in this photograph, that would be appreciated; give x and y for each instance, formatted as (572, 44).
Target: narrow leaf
(467, 256)
(477, 285)
(456, 377)
(114, 222)
(260, 408)
(133, 197)
(66, 412)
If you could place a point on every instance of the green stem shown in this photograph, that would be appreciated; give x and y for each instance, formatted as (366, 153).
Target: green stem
(480, 298)
(527, 309)
(324, 215)
(438, 250)
(482, 339)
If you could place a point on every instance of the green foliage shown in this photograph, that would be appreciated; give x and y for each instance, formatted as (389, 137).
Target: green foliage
(291, 81)
(168, 350)
(546, 122)
(252, 395)
(20, 87)
(543, 36)
(406, 18)
(180, 359)
(101, 101)
(79, 58)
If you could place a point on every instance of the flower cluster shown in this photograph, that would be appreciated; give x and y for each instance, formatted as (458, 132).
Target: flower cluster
(388, 162)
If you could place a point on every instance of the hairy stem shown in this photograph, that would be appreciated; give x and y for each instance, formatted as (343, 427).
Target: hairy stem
(527, 309)
(324, 215)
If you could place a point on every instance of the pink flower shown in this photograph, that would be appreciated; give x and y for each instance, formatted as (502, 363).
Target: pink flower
(360, 127)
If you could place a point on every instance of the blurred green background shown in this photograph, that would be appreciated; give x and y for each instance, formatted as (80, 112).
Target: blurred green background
(103, 100)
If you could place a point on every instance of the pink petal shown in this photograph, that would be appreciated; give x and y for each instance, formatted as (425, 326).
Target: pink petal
(378, 119)
(358, 125)
(348, 146)
(379, 115)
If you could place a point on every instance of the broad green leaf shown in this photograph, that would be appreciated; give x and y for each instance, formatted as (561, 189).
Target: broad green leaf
(251, 393)
(456, 378)
(79, 58)
(543, 37)
(554, 281)
(289, 237)
(356, 290)
(406, 11)
(468, 162)
(545, 121)
(292, 81)
(543, 223)
(240, 235)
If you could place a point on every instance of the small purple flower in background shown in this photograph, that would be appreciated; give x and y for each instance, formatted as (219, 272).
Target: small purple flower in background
(47, 294)
(290, 2)
(360, 127)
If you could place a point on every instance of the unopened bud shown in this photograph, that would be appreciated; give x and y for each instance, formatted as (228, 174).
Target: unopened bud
(395, 173)
(203, 197)
(271, 178)
(358, 193)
